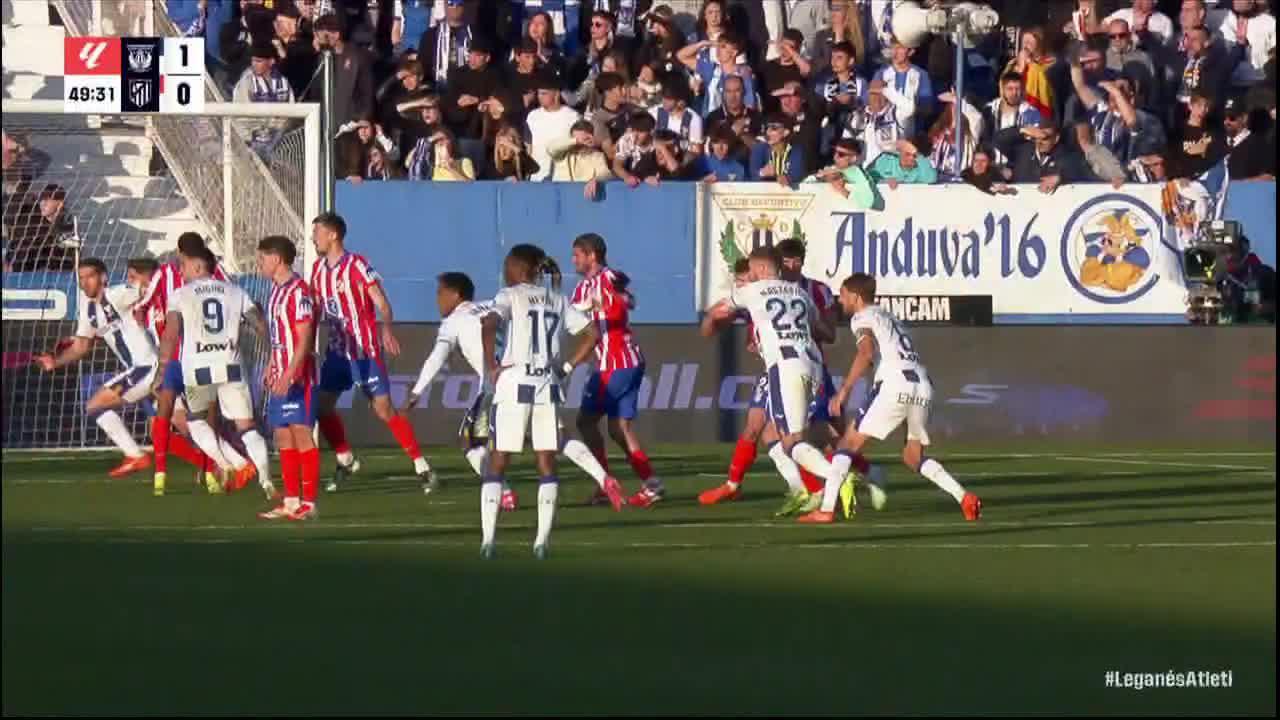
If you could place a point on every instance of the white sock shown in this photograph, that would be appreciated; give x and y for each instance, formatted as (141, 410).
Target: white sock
(206, 439)
(476, 457)
(257, 448)
(232, 455)
(548, 491)
(938, 475)
(490, 494)
(579, 454)
(787, 467)
(812, 459)
(345, 458)
(112, 424)
(840, 465)
(420, 465)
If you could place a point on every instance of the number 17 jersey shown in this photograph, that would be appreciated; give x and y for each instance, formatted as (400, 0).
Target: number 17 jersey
(781, 312)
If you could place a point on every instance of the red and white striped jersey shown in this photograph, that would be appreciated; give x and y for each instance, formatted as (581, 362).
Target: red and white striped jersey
(823, 302)
(611, 309)
(151, 309)
(342, 292)
(287, 309)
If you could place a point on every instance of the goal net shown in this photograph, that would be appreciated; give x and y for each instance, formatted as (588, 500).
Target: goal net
(113, 188)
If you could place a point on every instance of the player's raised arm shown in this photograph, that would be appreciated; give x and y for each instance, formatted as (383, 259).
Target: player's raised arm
(716, 317)
(862, 361)
(79, 347)
(385, 317)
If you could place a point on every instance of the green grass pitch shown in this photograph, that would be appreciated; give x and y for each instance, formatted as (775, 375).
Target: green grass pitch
(1088, 560)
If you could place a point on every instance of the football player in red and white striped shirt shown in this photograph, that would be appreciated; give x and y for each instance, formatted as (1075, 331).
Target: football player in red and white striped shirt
(290, 377)
(615, 386)
(151, 309)
(346, 290)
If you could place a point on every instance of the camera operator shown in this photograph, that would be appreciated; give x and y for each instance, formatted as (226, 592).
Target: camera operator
(1247, 286)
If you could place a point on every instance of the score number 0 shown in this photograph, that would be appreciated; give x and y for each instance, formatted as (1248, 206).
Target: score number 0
(183, 71)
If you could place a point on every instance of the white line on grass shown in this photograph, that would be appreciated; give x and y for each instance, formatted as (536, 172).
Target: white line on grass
(1110, 460)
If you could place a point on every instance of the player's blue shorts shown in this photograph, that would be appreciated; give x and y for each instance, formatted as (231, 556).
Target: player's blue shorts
(340, 373)
(294, 408)
(820, 411)
(173, 377)
(617, 397)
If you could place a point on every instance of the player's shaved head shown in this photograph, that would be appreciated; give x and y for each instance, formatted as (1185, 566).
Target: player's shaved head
(764, 262)
(861, 285)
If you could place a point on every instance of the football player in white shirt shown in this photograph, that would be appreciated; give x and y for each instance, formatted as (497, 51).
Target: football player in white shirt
(526, 384)
(206, 314)
(784, 316)
(107, 313)
(901, 392)
(461, 330)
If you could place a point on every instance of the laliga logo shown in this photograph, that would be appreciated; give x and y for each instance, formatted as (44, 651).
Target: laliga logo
(1105, 251)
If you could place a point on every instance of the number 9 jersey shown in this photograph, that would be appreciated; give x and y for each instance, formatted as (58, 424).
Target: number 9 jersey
(211, 312)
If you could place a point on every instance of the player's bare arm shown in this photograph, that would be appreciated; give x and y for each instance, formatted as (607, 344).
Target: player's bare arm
(489, 341)
(586, 345)
(80, 347)
(715, 318)
(861, 363)
(172, 333)
(257, 321)
(434, 362)
(385, 318)
(302, 341)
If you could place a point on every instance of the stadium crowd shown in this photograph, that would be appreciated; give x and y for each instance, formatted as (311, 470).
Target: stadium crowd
(783, 91)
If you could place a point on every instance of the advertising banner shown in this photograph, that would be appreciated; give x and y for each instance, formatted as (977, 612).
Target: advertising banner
(1086, 253)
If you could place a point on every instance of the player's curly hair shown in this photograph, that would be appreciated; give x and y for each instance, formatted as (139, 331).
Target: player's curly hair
(539, 263)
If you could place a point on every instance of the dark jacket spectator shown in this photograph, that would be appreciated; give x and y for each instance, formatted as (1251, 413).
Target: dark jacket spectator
(509, 159)
(806, 123)
(41, 234)
(610, 120)
(296, 46)
(789, 67)
(667, 161)
(1249, 154)
(470, 87)
(398, 88)
(659, 47)
(355, 145)
(602, 42)
(353, 73)
(777, 159)
(1039, 157)
(624, 18)
(443, 49)
(985, 175)
(1200, 145)
(1125, 58)
(1201, 67)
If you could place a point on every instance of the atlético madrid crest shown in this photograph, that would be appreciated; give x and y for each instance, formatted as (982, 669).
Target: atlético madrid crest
(752, 221)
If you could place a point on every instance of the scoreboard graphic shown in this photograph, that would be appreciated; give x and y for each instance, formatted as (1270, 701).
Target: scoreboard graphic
(117, 75)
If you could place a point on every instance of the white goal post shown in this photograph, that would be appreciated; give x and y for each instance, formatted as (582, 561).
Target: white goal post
(235, 172)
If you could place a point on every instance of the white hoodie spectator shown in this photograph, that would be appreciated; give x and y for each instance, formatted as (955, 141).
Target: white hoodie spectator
(550, 122)
(1256, 31)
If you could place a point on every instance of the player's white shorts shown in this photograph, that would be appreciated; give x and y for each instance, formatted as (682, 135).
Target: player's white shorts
(524, 405)
(234, 400)
(895, 399)
(134, 384)
(794, 384)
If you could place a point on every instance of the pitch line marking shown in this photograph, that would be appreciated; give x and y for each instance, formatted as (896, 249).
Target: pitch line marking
(1165, 463)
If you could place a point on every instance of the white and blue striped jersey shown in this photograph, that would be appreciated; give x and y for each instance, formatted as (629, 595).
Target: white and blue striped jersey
(782, 313)
(111, 318)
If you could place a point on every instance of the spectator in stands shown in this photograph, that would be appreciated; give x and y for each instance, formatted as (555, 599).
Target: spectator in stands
(523, 73)
(578, 159)
(986, 175)
(777, 159)
(668, 161)
(1117, 125)
(624, 21)
(1143, 19)
(1033, 63)
(353, 72)
(806, 126)
(845, 176)
(942, 136)
(22, 165)
(541, 35)
(841, 89)
(634, 146)
(907, 86)
(719, 163)
(296, 49)
(510, 160)
(422, 119)
(587, 64)
(846, 27)
(42, 235)
(1039, 156)
(647, 89)
(1102, 163)
(411, 20)
(788, 67)
(355, 147)
(747, 123)
(253, 24)
(713, 21)
(1203, 69)
(445, 48)
(1149, 169)
(875, 124)
(447, 164)
(1124, 58)
(711, 73)
(1249, 157)
(660, 46)
(904, 166)
(1010, 109)
(1088, 68)
(1251, 33)
(1085, 21)
(674, 115)
(610, 119)
(469, 87)
(397, 89)
(262, 83)
(549, 122)
(1200, 144)
(504, 107)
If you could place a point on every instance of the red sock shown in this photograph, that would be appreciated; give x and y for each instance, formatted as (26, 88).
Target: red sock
(310, 461)
(334, 434)
(744, 455)
(860, 463)
(291, 470)
(812, 482)
(160, 441)
(179, 446)
(404, 435)
(640, 463)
